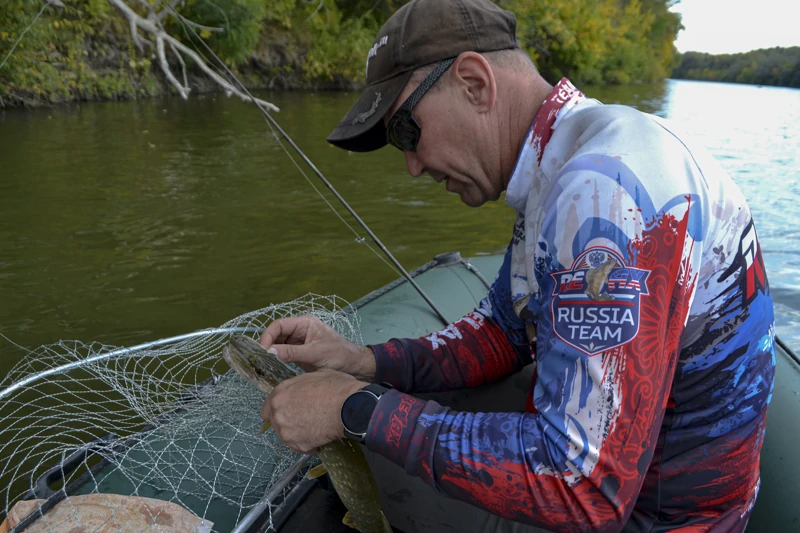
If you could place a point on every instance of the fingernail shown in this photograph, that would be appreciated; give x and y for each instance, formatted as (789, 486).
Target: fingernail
(273, 351)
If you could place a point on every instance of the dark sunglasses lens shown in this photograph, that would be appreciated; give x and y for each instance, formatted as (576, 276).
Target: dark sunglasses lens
(403, 132)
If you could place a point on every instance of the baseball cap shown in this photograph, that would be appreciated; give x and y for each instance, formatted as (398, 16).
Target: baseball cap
(419, 33)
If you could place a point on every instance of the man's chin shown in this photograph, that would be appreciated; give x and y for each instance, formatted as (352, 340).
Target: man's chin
(472, 200)
(470, 196)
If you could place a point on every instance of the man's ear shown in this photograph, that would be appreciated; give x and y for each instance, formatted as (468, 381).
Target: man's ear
(474, 78)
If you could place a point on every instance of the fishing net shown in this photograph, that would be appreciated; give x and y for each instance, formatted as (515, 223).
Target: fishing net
(167, 420)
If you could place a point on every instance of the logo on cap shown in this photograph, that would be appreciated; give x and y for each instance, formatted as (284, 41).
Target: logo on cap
(362, 117)
(374, 50)
(595, 303)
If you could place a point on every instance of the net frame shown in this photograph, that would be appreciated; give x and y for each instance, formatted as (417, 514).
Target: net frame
(167, 417)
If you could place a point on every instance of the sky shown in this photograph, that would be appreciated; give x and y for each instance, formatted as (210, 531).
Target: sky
(732, 26)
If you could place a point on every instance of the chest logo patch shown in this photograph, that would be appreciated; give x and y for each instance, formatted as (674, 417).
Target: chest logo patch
(595, 303)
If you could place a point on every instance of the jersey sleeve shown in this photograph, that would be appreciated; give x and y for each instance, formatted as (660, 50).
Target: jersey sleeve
(616, 286)
(479, 348)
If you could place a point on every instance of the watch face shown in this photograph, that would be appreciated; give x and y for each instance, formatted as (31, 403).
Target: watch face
(357, 411)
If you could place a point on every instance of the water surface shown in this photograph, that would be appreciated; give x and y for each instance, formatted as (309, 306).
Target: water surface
(127, 222)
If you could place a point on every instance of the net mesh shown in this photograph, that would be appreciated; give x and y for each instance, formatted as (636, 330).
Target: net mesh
(168, 420)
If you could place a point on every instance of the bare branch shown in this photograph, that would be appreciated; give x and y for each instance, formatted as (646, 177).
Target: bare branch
(137, 40)
(147, 5)
(167, 10)
(183, 64)
(184, 91)
(153, 27)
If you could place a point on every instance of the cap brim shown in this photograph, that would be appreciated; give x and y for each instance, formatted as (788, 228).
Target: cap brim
(362, 128)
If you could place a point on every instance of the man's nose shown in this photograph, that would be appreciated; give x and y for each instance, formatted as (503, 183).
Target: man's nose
(415, 166)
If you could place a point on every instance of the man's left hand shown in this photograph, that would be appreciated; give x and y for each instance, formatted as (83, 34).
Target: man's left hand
(305, 411)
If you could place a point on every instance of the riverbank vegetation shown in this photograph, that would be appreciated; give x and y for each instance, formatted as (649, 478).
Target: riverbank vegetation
(85, 50)
(772, 66)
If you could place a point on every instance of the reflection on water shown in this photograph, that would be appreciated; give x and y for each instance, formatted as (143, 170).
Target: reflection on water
(126, 222)
(752, 131)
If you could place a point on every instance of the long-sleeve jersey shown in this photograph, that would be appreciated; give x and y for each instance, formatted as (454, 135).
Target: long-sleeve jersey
(634, 282)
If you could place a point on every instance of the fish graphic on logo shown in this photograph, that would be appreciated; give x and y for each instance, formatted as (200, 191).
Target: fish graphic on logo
(595, 302)
(596, 278)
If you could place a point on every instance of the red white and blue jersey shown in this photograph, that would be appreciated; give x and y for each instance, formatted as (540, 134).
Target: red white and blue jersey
(634, 281)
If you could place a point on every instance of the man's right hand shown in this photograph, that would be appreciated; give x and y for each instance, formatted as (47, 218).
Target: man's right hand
(312, 345)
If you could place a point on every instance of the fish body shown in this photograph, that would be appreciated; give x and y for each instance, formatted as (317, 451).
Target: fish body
(596, 278)
(343, 460)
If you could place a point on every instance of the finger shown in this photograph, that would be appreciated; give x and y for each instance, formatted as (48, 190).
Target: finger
(278, 331)
(306, 357)
(266, 411)
(294, 446)
(285, 330)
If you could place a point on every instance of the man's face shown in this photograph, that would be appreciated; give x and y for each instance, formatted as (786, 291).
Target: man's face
(449, 147)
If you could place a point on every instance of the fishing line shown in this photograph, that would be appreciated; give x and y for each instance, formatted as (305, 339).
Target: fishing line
(39, 14)
(274, 124)
(223, 74)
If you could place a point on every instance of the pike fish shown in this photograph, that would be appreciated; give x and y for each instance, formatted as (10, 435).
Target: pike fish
(596, 278)
(343, 460)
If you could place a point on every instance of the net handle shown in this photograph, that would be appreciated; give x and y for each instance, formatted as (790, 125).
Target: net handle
(119, 353)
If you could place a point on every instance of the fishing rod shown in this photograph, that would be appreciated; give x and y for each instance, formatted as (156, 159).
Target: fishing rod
(313, 167)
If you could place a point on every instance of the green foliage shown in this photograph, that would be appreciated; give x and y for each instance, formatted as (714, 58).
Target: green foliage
(50, 57)
(770, 66)
(69, 53)
(85, 51)
(241, 21)
(589, 41)
(337, 46)
(280, 13)
(97, 9)
(598, 41)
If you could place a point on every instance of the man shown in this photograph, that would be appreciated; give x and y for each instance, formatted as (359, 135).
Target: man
(633, 281)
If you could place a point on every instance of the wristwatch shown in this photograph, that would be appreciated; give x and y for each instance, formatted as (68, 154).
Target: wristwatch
(357, 411)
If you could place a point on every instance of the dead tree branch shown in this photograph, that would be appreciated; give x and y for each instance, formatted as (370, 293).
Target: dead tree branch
(183, 64)
(169, 9)
(152, 25)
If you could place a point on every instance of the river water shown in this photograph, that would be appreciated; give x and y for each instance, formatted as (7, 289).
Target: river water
(127, 222)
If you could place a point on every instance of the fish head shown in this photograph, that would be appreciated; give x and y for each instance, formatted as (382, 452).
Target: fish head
(255, 364)
(608, 266)
(243, 357)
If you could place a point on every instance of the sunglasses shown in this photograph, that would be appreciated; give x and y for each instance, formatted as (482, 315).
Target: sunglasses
(403, 131)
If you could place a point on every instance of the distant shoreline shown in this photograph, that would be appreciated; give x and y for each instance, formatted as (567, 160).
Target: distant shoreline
(772, 67)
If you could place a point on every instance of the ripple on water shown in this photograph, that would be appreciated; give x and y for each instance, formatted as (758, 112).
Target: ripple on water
(108, 238)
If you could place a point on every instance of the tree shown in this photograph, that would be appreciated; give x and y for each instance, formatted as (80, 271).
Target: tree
(771, 66)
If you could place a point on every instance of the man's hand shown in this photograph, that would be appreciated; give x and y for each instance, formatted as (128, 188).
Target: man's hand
(312, 345)
(305, 411)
